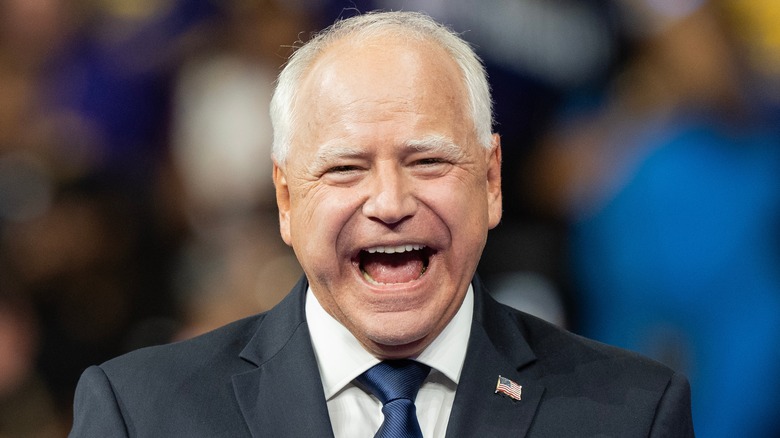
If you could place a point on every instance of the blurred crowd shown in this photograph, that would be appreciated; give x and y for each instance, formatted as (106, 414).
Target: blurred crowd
(641, 182)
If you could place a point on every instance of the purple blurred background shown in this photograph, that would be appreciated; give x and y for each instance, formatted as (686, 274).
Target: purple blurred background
(641, 182)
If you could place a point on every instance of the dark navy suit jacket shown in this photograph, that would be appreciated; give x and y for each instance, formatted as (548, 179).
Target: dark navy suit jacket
(258, 377)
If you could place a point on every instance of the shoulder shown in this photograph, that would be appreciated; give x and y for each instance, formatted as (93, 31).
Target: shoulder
(178, 389)
(558, 353)
(599, 387)
(566, 359)
(211, 358)
(214, 351)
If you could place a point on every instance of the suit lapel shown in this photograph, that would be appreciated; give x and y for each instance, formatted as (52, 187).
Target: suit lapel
(283, 396)
(495, 348)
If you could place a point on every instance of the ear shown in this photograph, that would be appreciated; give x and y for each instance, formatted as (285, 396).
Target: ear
(282, 202)
(495, 201)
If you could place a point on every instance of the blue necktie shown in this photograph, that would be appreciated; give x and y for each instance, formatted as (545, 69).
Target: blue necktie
(396, 383)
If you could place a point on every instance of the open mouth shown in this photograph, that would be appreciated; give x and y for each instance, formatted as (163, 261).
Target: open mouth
(394, 264)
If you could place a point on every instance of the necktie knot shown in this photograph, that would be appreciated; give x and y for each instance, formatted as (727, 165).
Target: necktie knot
(394, 379)
(396, 384)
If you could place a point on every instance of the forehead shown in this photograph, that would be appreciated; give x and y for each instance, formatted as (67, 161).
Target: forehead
(384, 81)
(390, 57)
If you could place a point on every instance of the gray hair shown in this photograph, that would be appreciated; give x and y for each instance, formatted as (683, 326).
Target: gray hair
(414, 25)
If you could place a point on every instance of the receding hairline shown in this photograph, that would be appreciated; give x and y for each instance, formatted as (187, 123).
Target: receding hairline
(421, 44)
(402, 26)
(426, 48)
(382, 33)
(420, 28)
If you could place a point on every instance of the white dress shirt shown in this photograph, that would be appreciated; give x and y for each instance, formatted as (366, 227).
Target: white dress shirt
(340, 357)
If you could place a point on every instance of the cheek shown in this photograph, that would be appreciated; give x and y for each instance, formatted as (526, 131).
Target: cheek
(463, 212)
(463, 206)
(318, 220)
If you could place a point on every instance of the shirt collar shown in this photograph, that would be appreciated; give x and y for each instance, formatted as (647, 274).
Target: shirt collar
(341, 358)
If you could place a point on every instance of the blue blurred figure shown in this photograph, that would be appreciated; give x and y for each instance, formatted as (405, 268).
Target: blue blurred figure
(672, 190)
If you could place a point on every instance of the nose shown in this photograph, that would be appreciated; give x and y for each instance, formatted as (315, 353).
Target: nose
(391, 199)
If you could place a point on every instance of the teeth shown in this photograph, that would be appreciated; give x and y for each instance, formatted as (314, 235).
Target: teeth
(394, 249)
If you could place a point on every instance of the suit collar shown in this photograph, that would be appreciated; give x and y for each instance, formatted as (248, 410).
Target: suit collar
(288, 374)
(277, 326)
(495, 348)
(283, 396)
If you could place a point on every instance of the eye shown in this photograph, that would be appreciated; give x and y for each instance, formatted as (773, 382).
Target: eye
(429, 161)
(343, 174)
(431, 167)
(342, 169)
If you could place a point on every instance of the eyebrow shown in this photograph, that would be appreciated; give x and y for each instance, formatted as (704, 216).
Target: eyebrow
(333, 151)
(336, 149)
(437, 143)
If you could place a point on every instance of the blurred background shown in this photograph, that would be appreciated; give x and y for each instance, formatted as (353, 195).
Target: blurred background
(641, 182)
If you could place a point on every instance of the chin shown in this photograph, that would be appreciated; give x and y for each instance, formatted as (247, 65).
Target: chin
(398, 338)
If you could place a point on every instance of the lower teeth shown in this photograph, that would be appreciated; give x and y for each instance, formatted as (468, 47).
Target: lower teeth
(371, 280)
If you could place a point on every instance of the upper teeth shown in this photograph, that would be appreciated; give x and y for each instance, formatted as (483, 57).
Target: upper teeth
(394, 249)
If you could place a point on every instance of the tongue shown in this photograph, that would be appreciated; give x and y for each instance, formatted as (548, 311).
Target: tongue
(393, 268)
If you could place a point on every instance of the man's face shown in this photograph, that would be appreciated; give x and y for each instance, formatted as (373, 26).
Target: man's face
(385, 196)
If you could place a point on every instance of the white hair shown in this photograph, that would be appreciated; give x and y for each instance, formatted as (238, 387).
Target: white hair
(412, 25)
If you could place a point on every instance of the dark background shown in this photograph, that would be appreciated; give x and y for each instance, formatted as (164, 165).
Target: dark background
(641, 182)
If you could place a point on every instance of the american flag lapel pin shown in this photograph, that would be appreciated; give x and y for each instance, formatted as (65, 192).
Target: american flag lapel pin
(508, 388)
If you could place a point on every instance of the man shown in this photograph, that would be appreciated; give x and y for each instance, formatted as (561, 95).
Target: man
(387, 179)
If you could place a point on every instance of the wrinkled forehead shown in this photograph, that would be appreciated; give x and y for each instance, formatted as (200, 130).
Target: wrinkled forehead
(381, 77)
(408, 61)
